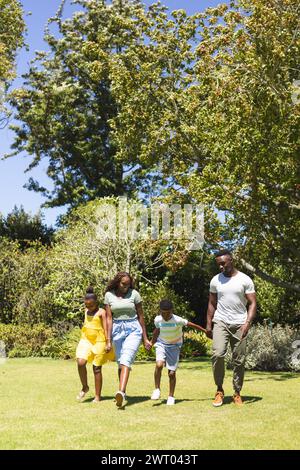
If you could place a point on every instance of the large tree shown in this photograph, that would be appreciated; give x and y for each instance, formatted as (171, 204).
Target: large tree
(11, 39)
(212, 99)
(205, 102)
(25, 228)
(66, 105)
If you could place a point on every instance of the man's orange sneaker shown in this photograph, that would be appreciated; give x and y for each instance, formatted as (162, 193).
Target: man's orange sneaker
(218, 401)
(237, 399)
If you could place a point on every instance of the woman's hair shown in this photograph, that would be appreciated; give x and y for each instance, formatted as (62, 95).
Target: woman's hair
(114, 283)
(90, 294)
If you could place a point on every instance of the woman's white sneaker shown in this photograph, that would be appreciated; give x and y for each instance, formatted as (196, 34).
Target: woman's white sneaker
(171, 401)
(120, 397)
(155, 394)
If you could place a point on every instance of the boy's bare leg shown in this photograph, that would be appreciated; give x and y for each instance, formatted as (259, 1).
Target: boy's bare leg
(172, 382)
(157, 373)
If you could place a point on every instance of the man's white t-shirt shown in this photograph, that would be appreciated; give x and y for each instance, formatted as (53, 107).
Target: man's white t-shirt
(232, 302)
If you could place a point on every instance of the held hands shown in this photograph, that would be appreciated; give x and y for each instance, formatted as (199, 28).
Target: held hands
(148, 344)
(108, 346)
(209, 332)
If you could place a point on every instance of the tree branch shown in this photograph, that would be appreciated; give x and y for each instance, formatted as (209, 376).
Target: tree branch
(268, 278)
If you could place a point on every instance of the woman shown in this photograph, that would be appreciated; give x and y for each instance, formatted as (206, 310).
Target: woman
(125, 325)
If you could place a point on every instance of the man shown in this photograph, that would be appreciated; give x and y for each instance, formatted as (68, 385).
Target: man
(231, 308)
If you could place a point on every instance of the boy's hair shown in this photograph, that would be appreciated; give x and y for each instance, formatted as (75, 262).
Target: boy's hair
(223, 253)
(165, 304)
(90, 294)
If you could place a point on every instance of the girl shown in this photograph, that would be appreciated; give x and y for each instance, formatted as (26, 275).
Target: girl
(125, 322)
(94, 345)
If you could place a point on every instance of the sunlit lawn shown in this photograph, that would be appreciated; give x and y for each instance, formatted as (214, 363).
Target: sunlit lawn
(38, 410)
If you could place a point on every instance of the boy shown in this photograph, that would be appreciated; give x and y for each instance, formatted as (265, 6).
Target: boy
(167, 338)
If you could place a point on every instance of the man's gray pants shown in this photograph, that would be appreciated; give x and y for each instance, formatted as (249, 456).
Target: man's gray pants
(223, 334)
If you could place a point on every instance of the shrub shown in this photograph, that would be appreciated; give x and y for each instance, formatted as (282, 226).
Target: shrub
(270, 348)
(24, 340)
(195, 344)
(62, 346)
(144, 355)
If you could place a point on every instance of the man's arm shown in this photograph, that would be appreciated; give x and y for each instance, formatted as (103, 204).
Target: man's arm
(251, 298)
(212, 307)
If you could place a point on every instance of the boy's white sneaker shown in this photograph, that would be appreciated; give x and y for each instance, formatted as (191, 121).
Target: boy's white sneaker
(171, 401)
(155, 394)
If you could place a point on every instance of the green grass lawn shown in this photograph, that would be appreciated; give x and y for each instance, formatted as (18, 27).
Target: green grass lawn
(38, 410)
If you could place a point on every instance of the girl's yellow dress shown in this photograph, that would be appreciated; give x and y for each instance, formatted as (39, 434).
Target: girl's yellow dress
(91, 346)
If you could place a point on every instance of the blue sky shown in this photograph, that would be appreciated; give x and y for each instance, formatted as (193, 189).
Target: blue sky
(12, 177)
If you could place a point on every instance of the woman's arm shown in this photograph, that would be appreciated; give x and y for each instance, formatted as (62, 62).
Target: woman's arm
(140, 315)
(155, 336)
(104, 322)
(108, 328)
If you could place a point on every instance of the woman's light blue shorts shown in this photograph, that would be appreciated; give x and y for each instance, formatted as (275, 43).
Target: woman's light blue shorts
(126, 336)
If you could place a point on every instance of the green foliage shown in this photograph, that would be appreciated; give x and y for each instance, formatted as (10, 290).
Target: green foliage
(11, 35)
(62, 346)
(198, 108)
(195, 344)
(277, 304)
(66, 104)
(25, 228)
(270, 348)
(25, 340)
(23, 276)
(12, 27)
(213, 95)
(144, 355)
(47, 284)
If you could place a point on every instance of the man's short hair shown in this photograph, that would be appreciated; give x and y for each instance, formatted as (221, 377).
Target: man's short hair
(165, 304)
(223, 253)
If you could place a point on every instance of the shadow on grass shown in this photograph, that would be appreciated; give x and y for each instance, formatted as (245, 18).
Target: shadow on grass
(277, 376)
(246, 400)
(227, 400)
(89, 400)
(135, 400)
(180, 400)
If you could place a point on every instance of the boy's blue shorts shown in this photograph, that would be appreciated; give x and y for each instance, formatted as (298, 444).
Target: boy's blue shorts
(168, 353)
